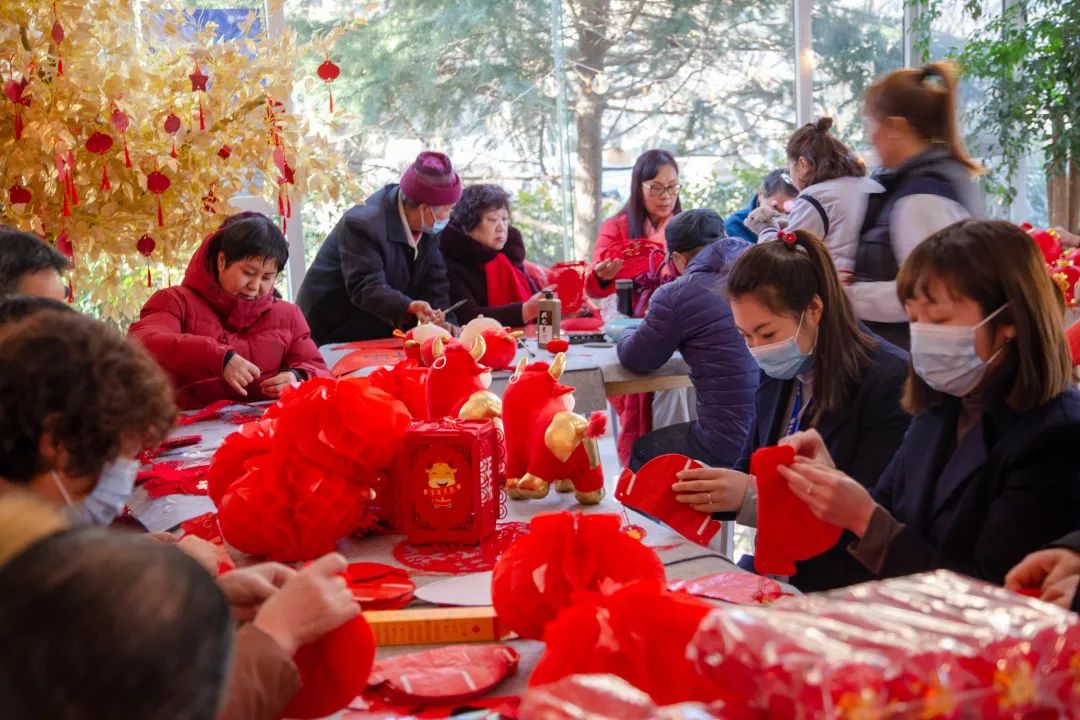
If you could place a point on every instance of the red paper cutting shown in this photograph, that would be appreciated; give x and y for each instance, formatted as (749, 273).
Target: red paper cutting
(379, 587)
(442, 676)
(649, 492)
(787, 530)
(461, 559)
(166, 479)
(638, 633)
(565, 553)
(740, 588)
(333, 670)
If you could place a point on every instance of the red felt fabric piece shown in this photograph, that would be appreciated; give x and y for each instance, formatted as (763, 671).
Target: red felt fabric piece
(787, 530)
(379, 587)
(505, 283)
(740, 588)
(333, 670)
(565, 553)
(210, 412)
(649, 492)
(638, 633)
(164, 479)
(442, 676)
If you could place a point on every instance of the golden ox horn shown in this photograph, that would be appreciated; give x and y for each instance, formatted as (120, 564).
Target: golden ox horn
(479, 347)
(437, 349)
(557, 366)
(521, 366)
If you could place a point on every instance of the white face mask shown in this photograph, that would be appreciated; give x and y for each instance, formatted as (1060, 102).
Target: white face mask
(944, 356)
(106, 501)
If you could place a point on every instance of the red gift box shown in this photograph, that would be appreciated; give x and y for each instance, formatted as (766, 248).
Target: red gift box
(448, 481)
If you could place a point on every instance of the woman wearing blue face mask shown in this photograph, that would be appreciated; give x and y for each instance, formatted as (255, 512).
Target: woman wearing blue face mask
(987, 473)
(820, 369)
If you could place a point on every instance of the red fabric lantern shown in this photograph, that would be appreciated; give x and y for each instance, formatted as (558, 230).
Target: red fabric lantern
(333, 670)
(19, 195)
(787, 529)
(565, 553)
(120, 121)
(172, 126)
(329, 72)
(198, 84)
(100, 143)
(638, 633)
(15, 93)
(146, 246)
(158, 182)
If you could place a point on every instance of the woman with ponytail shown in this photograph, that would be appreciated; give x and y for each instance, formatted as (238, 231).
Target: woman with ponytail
(929, 182)
(820, 368)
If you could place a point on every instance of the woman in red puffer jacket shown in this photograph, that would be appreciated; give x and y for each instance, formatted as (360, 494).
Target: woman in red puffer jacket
(224, 334)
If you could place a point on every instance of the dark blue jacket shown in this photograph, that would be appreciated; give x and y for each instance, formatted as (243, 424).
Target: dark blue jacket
(692, 315)
(365, 275)
(734, 226)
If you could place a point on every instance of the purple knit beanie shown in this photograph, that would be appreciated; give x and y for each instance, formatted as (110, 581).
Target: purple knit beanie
(431, 180)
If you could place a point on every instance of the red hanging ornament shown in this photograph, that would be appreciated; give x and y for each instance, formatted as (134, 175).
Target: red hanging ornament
(58, 38)
(158, 182)
(18, 195)
(224, 152)
(172, 125)
(287, 177)
(14, 91)
(100, 143)
(198, 84)
(63, 244)
(329, 72)
(146, 246)
(71, 178)
(120, 122)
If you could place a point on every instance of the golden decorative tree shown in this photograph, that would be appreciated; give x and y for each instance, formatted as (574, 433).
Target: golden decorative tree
(124, 132)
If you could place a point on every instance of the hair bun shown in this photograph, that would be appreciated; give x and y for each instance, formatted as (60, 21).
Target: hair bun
(823, 124)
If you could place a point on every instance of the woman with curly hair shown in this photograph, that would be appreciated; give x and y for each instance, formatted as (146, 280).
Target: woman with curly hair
(224, 333)
(80, 402)
(485, 259)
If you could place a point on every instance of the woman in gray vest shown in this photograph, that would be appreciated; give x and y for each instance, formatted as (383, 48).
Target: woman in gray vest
(929, 181)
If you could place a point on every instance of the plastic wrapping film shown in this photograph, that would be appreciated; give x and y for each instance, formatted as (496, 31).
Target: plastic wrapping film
(935, 645)
(605, 697)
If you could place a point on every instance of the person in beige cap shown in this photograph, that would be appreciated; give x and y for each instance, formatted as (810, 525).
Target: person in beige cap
(380, 268)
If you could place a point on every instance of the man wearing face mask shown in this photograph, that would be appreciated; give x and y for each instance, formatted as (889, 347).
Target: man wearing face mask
(380, 268)
(692, 315)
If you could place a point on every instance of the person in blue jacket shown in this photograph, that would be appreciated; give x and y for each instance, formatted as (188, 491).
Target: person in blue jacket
(691, 314)
(776, 191)
(987, 473)
(820, 369)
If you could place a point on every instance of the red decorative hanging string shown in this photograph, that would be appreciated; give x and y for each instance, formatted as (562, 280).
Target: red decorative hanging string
(71, 178)
(63, 244)
(172, 124)
(120, 122)
(14, 91)
(158, 182)
(287, 177)
(146, 246)
(58, 38)
(198, 84)
(329, 72)
(100, 143)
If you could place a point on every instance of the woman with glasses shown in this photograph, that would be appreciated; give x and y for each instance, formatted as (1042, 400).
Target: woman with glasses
(631, 246)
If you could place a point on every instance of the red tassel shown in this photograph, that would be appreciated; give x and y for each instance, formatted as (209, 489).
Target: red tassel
(148, 276)
(71, 290)
(174, 148)
(60, 67)
(67, 208)
(127, 155)
(73, 190)
(331, 102)
(202, 122)
(18, 126)
(160, 215)
(280, 205)
(105, 184)
(288, 205)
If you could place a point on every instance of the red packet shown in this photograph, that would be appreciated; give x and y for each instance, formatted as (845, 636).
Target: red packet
(448, 487)
(787, 529)
(442, 675)
(740, 588)
(649, 492)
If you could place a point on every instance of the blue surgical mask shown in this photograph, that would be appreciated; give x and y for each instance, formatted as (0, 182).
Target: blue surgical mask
(944, 356)
(106, 501)
(438, 225)
(783, 360)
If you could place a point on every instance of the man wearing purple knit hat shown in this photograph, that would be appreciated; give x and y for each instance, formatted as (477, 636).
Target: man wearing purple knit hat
(380, 267)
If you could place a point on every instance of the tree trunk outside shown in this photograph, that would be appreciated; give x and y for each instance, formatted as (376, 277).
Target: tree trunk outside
(588, 171)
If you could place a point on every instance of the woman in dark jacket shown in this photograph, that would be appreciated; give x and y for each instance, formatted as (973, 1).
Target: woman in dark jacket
(485, 259)
(820, 369)
(987, 473)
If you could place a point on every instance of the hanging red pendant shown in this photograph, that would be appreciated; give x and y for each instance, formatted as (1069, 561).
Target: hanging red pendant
(18, 125)
(160, 215)
(146, 246)
(106, 186)
(329, 72)
(202, 120)
(127, 155)
(58, 38)
(119, 121)
(158, 182)
(99, 144)
(71, 178)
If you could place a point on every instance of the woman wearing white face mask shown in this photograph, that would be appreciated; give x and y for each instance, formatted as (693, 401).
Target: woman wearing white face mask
(820, 369)
(987, 473)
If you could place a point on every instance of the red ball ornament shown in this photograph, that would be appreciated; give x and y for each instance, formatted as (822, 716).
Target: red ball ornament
(224, 152)
(333, 670)
(18, 195)
(558, 345)
(158, 182)
(146, 246)
(329, 72)
(100, 143)
(172, 126)
(565, 553)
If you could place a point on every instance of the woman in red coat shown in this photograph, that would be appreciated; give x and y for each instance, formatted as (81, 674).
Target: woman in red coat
(224, 334)
(631, 246)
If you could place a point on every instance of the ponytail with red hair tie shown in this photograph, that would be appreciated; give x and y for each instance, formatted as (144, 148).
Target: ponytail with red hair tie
(787, 237)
